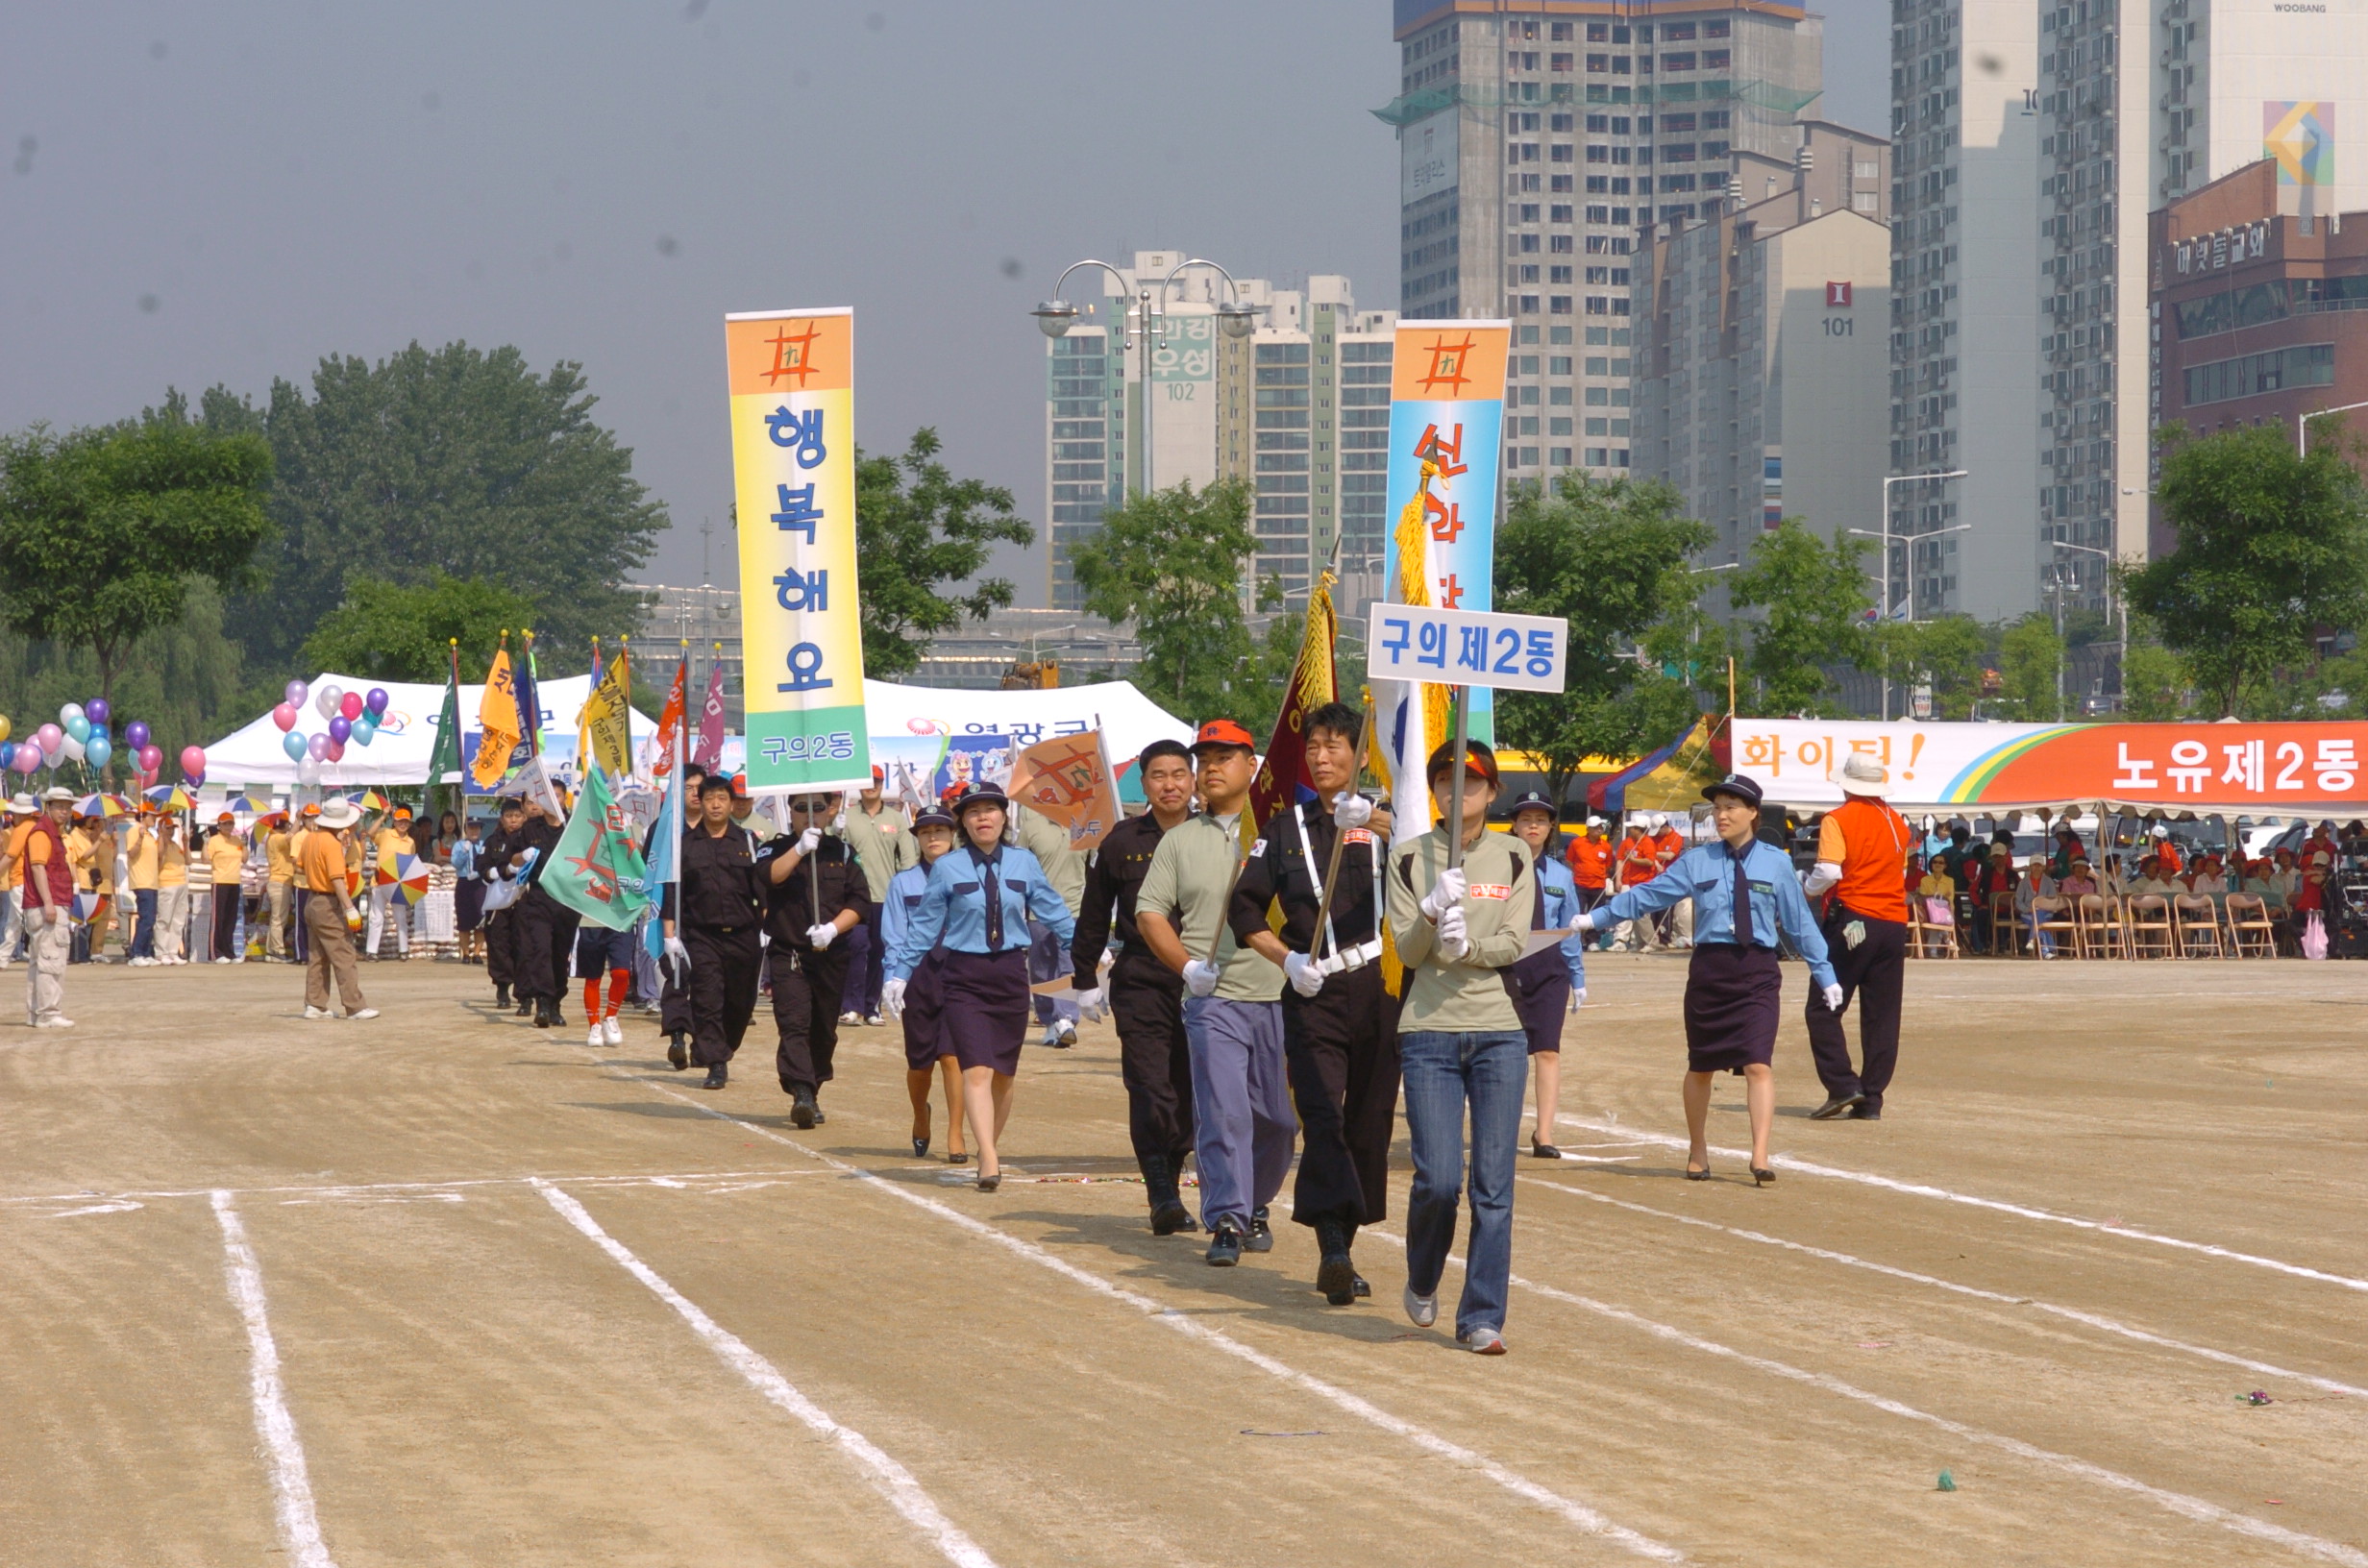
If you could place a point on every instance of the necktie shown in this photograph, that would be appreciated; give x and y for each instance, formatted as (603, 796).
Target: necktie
(1743, 897)
(994, 903)
(1536, 918)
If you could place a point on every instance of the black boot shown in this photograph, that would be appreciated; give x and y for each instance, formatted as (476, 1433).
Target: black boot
(526, 1005)
(542, 1014)
(1168, 1215)
(500, 995)
(803, 1110)
(677, 1057)
(1336, 1276)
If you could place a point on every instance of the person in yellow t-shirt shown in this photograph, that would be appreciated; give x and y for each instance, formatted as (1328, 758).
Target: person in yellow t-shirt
(22, 809)
(172, 892)
(226, 857)
(140, 860)
(392, 840)
(280, 875)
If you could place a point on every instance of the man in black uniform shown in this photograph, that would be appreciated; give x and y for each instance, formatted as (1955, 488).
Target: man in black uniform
(1340, 1022)
(713, 923)
(674, 996)
(810, 974)
(546, 926)
(1146, 997)
(495, 859)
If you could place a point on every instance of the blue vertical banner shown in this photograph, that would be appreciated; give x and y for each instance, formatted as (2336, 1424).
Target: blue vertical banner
(1447, 433)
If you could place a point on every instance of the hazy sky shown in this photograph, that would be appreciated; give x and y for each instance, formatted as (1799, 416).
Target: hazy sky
(202, 193)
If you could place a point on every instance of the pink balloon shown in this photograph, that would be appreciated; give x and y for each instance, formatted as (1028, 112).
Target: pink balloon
(336, 751)
(49, 736)
(151, 758)
(28, 758)
(285, 715)
(351, 706)
(192, 760)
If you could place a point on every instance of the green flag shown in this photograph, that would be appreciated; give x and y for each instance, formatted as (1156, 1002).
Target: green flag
(596, 868)
(446, 757)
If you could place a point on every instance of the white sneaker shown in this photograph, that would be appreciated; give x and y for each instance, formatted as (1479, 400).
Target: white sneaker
(1069, 1033)
(1482, 1342)
(318, 1012)
(58, 1022)
(366, 1013)
(598, 1037)
(221, 961)
(140, 963)
(851, 1017)
(613, 1032)
(1052, 1034)
(1420, 1311)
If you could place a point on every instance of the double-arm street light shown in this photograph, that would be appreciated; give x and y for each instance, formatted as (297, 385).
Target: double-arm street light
(1886, 535)
(1142, 330)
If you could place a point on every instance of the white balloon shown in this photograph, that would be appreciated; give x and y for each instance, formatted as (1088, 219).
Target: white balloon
(326, 700)
(308, 770)
(71, 748)
(67, 714)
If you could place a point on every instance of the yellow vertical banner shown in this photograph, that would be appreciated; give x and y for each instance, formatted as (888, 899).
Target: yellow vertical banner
(791, 374)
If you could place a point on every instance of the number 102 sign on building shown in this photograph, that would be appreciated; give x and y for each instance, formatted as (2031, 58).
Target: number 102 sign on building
(791, 374)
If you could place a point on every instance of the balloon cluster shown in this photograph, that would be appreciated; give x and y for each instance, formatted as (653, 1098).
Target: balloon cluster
(353, 718)
(80, 734)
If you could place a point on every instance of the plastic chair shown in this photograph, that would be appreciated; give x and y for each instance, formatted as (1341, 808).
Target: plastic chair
(2153, 932)
(2252, 933)
(2198, 921)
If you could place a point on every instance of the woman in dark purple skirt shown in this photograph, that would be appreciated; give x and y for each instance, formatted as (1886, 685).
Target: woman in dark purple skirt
(928, 1053)
(976, 910)
(1743, 891)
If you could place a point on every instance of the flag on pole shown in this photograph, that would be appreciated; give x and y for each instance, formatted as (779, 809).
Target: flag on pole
(529, 700)
(710, 751)
(665, 863)
(445, 758)
(658, 757)
(595, 869)
(607, 733)
(497, 718)
(1282, 780)
(1066, 780)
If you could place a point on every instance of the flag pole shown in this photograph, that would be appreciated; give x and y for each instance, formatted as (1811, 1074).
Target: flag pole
(1332, 870)
(1455, 794)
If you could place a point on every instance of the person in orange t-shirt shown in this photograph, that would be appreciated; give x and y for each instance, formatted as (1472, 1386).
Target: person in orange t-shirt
(1863, 851)
(1590, 859)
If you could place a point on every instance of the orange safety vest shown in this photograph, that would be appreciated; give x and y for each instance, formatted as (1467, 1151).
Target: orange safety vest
(1876, 841)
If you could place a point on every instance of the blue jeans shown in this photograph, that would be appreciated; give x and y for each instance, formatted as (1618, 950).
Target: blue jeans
(144, 928)
(1444, 1072)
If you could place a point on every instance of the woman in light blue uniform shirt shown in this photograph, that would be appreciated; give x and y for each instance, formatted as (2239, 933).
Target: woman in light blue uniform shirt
(976, 908)
(1552, 981)
(927, 1051)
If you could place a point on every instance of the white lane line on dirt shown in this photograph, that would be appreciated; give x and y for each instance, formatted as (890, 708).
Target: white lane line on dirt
(1787, 1162)
(1576, 1513)
(291, 1488)
(2073, 1314)
(891, 1480)
(2178, 1502)
(331, 1188)
(116, 1207)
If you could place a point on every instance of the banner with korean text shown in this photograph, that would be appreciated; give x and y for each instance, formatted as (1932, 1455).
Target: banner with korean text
(791, 374)
(2254, 770)
(1447, 433)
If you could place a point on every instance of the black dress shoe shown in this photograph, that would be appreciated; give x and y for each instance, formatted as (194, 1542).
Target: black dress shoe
(1836, 1105)
(1363, 1287)
(1866, 1113)
(802, 1110)
(542, 1018)
(921, 1148)
(717, 1077)
(677, 1057)
(500, 995)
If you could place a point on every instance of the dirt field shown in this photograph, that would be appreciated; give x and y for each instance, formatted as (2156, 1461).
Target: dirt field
(442, 1288)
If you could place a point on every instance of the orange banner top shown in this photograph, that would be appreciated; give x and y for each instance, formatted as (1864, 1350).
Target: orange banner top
(1449, 361)
(789, 351)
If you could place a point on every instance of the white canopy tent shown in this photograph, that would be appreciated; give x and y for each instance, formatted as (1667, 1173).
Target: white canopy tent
(255, 755)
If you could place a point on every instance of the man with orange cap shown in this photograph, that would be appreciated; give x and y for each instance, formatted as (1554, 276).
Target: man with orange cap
(1863, 850)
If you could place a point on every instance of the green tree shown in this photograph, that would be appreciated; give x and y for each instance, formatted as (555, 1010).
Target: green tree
(1815, 598)
(1610, 558)
(1945, 652)
(103, 531)
(2155, 682)
(2272, 547)
(917, 527)
(388, 632)
(1172, 562)
(454, 460)
(183, 679)
(2030, 655)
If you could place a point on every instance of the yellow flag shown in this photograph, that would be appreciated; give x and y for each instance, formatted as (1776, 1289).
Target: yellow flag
(496, 716)
(607, 728)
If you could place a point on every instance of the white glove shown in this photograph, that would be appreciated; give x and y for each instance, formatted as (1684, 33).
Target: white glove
(1200, 977)
(1832, 998)
(1582, 924)
(821, 936)
(1454, 942)
(1351, 810)
(892, 999)
(809, 841)
(1578, 998)
(1300, 970)
(679, 958)
(838, 823)
(1089, 1006)
(1447, 890)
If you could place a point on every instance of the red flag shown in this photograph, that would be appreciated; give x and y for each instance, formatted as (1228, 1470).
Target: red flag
(1314, 682)
(660, 761)
(709, 752)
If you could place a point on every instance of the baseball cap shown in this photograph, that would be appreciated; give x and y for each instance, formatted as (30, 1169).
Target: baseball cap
(1223, 732)
(1479, 761)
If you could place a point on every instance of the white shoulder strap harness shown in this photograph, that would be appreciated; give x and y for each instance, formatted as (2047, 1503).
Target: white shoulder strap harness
(1365, 952)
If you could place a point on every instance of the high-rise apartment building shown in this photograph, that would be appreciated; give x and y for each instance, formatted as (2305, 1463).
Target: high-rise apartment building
(1534, 145)
(1299, 408)
(1762, 348)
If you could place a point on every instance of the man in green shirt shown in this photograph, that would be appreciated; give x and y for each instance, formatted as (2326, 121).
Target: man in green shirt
(1243, 1124)
(883, 847)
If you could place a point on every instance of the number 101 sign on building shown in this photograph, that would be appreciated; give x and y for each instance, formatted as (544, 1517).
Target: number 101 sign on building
(793, 456)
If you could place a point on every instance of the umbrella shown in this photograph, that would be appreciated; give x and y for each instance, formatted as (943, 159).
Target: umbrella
(407, 877)
(101, 805)
(172, 797)
(86, 905)
(370, 800)
(245, 803)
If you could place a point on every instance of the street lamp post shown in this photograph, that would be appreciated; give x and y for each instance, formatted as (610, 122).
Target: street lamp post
(1887, 536)
(2113, 603)
(1056, 315)
(2301, 426)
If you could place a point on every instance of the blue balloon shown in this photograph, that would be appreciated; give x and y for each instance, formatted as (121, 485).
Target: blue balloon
(294, 744)
(365, 730)
(8, 755)
(78, 726)
(98, 749)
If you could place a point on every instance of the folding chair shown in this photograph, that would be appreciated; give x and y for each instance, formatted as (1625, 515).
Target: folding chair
(2252, 933)
(1933, 939)
(2005, 929)
(2198, 921)
(2152, 933)
(2053, 926)
(2102, 932)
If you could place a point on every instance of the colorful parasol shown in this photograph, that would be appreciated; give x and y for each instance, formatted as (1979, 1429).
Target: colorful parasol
(370, 800)
(172, 797)
(101, 805)
(407, 877)
(85, 905)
